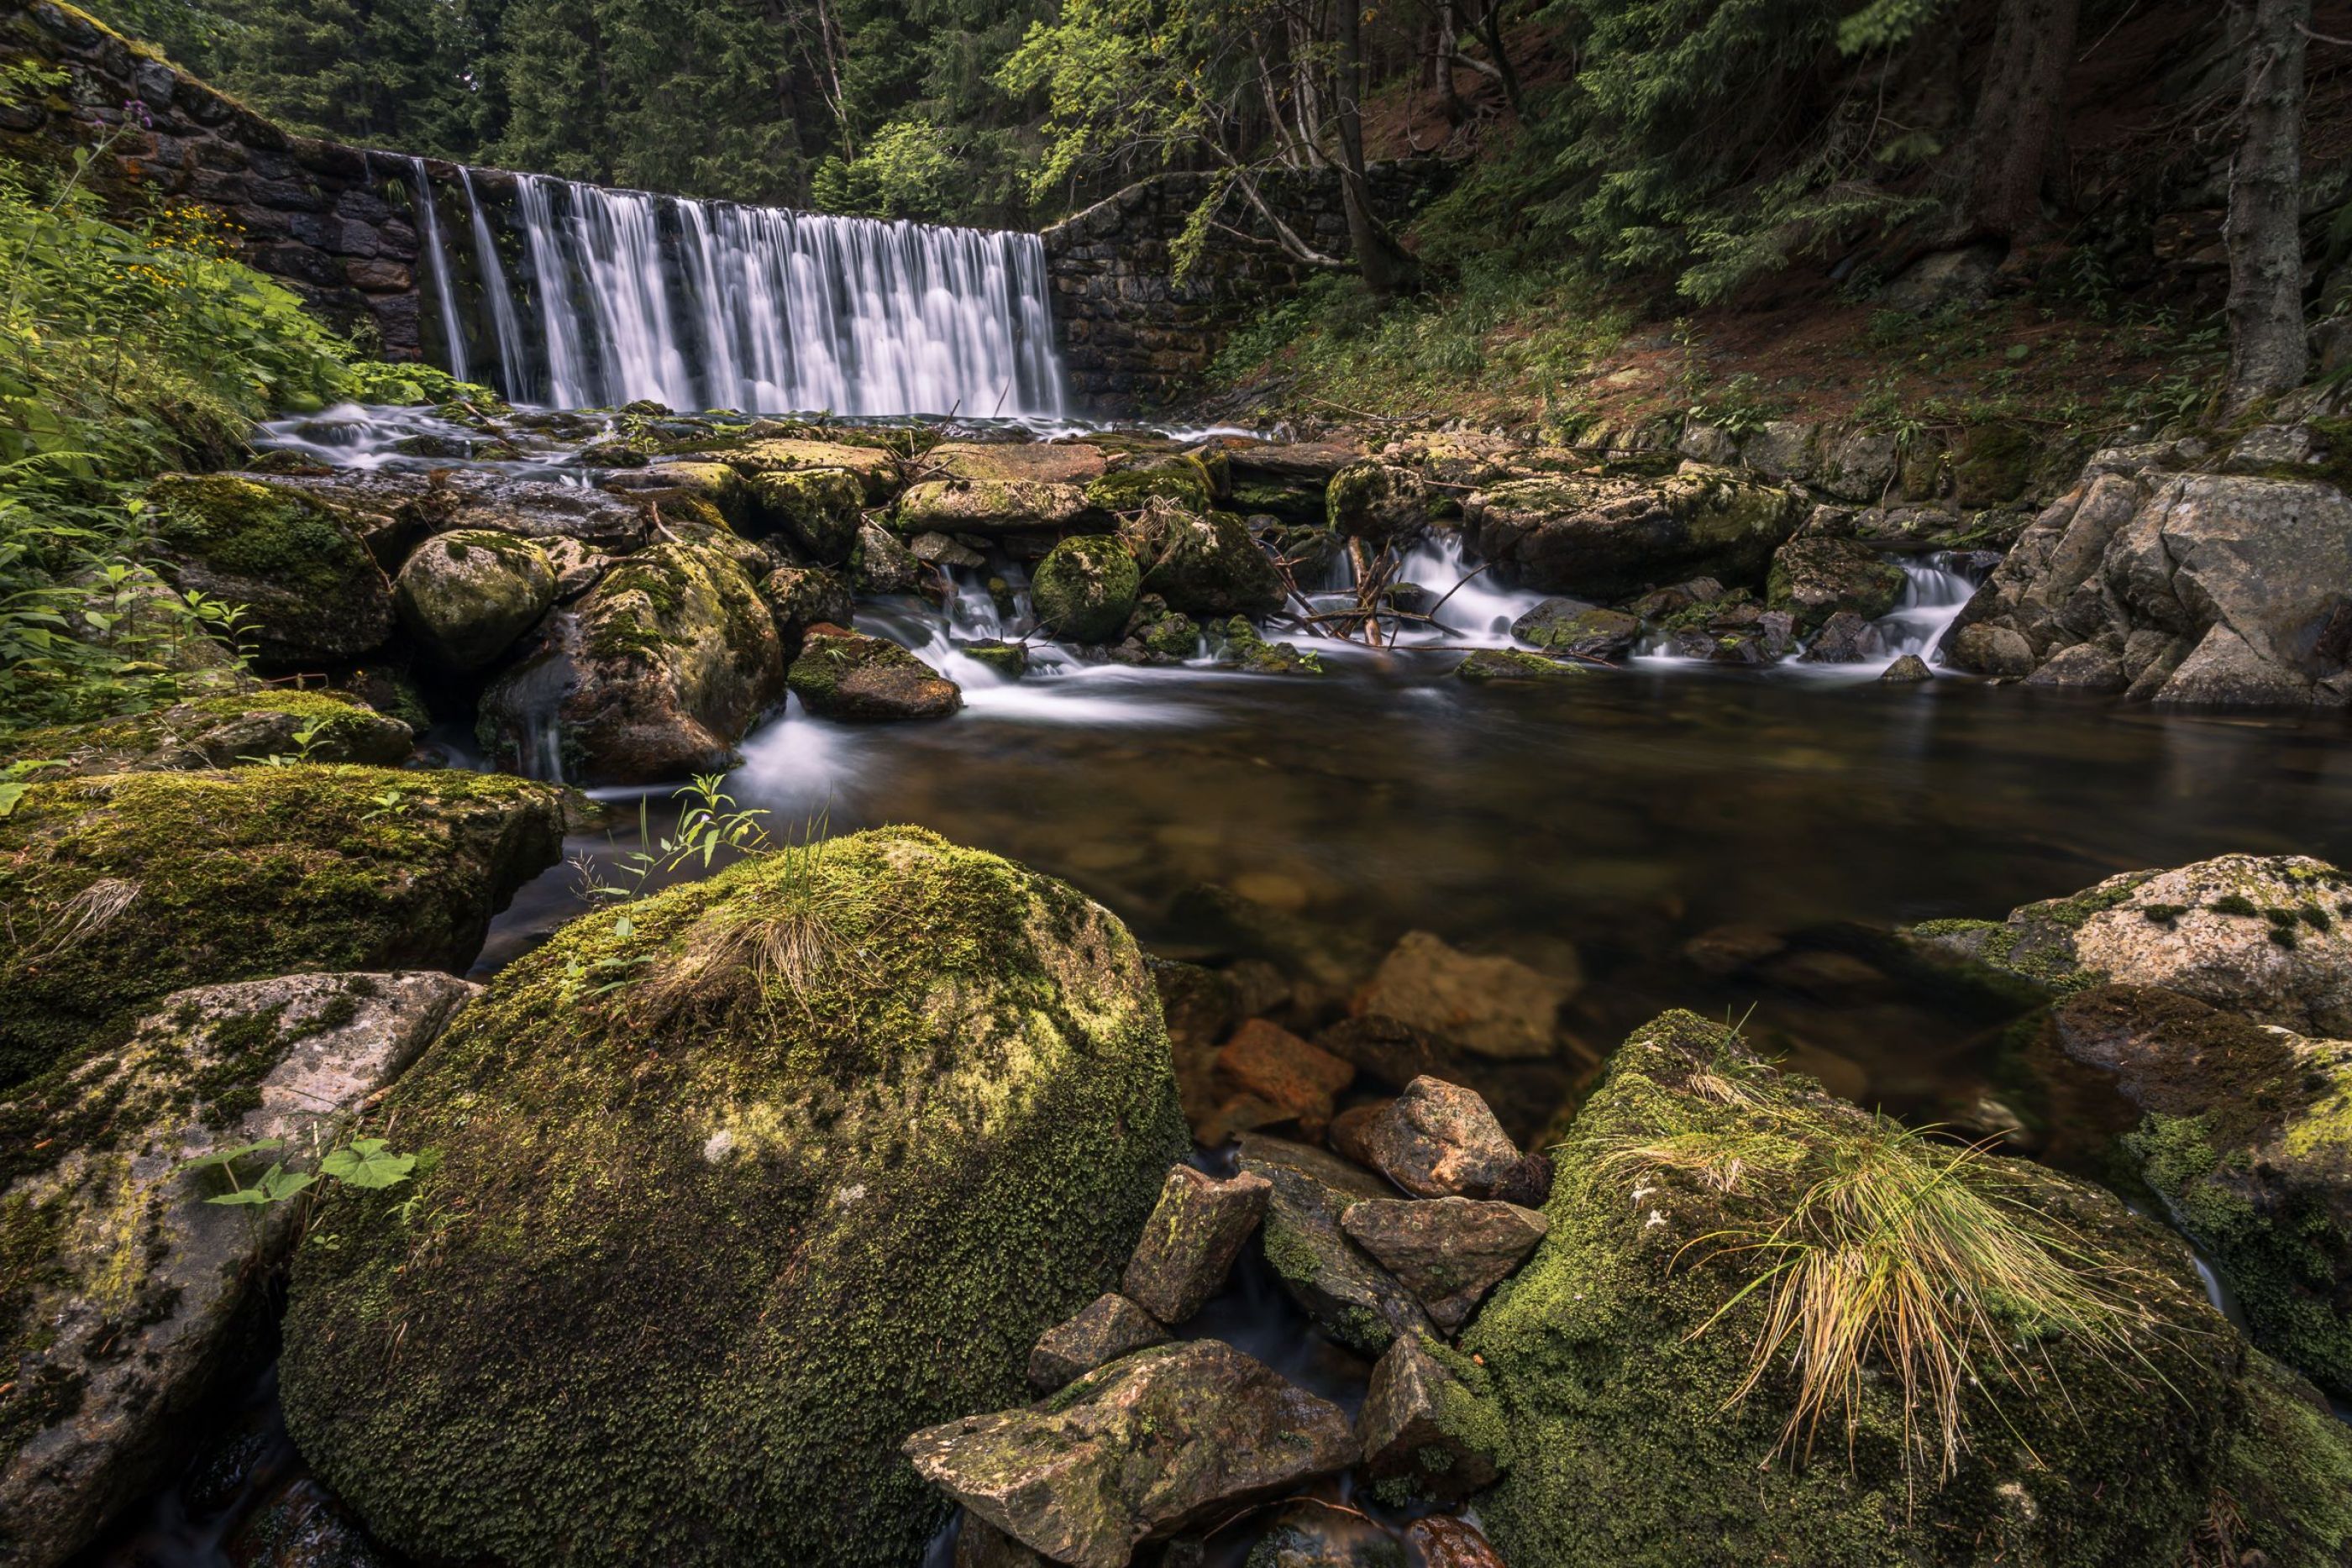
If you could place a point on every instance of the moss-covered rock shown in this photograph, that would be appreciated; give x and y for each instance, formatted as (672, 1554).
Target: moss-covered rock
(1611, 536)
(123, 887)
(1201, 563)
(1239, 647)
(467, 596)
(989, 505)
(122, 1289)
(1813, 579)
(310, 590)
(666, 664)
(700, 1251)
(815, 509)
(1621, 1353)
(1378, 501)
(801, 597)
(847, 675)
(223, 732)
(876, 469)
(1176, 477)
(1085, 588)
(1572, 627)
(1512, 664)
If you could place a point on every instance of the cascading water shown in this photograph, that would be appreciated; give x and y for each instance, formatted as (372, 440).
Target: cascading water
(437, 256)
(1935, 591)
(709, 304)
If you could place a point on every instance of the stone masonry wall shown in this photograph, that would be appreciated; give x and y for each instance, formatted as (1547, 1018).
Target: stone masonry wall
(1131, 338)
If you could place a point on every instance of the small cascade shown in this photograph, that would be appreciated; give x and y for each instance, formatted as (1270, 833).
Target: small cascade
(437, 257)
(1935, 591)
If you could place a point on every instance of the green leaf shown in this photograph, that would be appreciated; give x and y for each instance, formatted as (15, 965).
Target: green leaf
(227, 1156)
(366, 1162)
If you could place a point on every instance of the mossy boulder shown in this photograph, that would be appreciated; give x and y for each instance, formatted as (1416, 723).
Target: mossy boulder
(818, 509)
(801, 597)
(311, 591)
(1813, 579)
(123, 1292)
(1239, 647)
(123, 887)
(468, 596)
(848, 676)
(989, 505)
(716, 485)
(223, 732)
(1204, 564)
(1572, 627)
(700, 1251)
(2269, 936)
(1085, 588)
(876, 469)
(1133, 480)
(1620, 1354)
(1603, 536)
(667, 662)
(1512, 664)
(1378, 501)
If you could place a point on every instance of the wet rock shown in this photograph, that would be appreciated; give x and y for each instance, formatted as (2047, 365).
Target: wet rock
(1446, 1541)
(883, 565)
(800, 597)
(1995, 650)
(979, 1544)
(1907, 671)
(863, 1177)
(1321, 961)
(1425, 1432)
(1146, 1447)
(1725, 950)
(1813, 579)
(1311, 1535)
(1379, 502)
(876, 470)
(1133, 480)
(1110, 1326)
(989, 506)
(2266, 936)
(847, 675)
(1440, 1140)
(465, 596)
(129, 1301)
(1273, 1064)
(312, 593)
(2085, 667)
(223, 732)
(818, 509)
(123, 887)
(1511, 665)
(939, 549)
(1386, 1048)
(1191, 1240)
(1494, 1006)
(2247, 1137)
(1571, 627)
(1609, 536)
(1158, 634)
(1351, 1299)
(302, 1526)
(1449, 1251)
(1239, 647)
(1204, 564)
(1085, 588)
(1010, 660)
(669, 661)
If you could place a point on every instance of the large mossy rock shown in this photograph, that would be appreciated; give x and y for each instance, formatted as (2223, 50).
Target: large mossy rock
(467, 596)
(657, 674)
(1620, 1352)
(1085, 588)
(876, 469)
(989, 505)
(223, 732)
(848, 676)
(123, 1291)
(1609, 536)
(818, 509)
(1204, 564)
(700, 1251)
(311, 593)
(123, 887)
(1812, 580)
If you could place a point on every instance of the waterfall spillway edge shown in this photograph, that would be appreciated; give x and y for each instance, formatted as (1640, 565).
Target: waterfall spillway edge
(576, 295)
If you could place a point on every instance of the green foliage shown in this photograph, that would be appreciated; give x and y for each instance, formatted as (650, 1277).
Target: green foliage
(910, 170)
(365, 1163)
(413, 384)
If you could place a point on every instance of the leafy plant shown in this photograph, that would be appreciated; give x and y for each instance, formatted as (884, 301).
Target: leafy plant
(368, 1163)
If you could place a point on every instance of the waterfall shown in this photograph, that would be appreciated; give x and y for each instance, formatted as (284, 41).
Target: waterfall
(714, 305)
(437, 257)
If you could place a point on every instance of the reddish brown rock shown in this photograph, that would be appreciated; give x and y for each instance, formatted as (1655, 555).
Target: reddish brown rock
(1493, 1006)
(1449, 1251)
(1440, 1140)
(1446, 1541)
(1191, 1240)
(1269, 1061)
(1109, 1327)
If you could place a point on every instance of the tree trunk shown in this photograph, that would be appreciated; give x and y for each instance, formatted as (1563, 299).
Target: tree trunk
(1386, 268)
(2268, 351)
(2019, 108)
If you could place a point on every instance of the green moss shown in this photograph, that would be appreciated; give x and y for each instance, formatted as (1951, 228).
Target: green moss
(122, 888)
(241, 528)
(1178, 478)
(1243, 649)
(817, 508)
(1084, 588)
(942, 1132)
(1512, 664)
(2285, 1490)
(162, 737)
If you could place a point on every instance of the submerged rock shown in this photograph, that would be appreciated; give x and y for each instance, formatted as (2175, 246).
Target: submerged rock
(860, 1127)
(124, 887)
(1109, 1327)
(1144, 1449)
(1427, 1432)
(847, 675)
(1351, 1299)
(467, 596)
(223, 732)
(1449, 1251)
(1623, 1366)
(1609, 536)
(1316, 1535)
(128, 1287)
(301, 1526)
(1085, 588)
(311, 593)
(1492, 1005)
(1292, 1080)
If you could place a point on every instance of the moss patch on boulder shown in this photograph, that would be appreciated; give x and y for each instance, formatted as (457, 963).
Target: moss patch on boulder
(223, 732)
(1205, 564)
(699, 1252)
(310, 588)
(467, 595)
(1085, 588)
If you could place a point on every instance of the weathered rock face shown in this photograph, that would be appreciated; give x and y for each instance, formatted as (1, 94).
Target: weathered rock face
(1075, 462)
(467, 596)
(845, 675)
(1351, 1299)
(876, 470)
(1190, 1243)
(125, 1299)
(1427, 1432)
(1582, 631)
(1491, 1005)
(1607, 537)
(224, 732)
(1109, 1327)
(1449, 1251)
(658, 673)
(311, 591)
(1377, 501)
(1167, 1439)
(817, 508)
(2203, 587)
(2248, 1139)
(886, 1114)
(1085, 588)
(125, 887)
(989, 505)
(2266, 936)
(1615, 1361)
(1813, 579)
(801, 597)
(1203, 564)
(883, 565)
